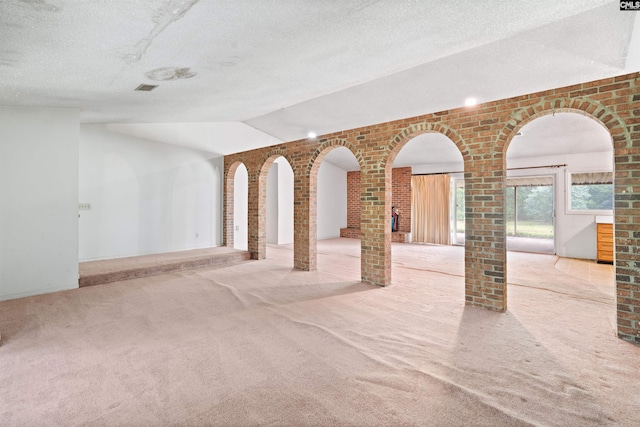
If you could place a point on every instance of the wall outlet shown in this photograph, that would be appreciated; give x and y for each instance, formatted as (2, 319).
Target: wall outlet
(237, 228)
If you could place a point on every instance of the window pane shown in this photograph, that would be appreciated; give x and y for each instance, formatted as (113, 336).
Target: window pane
(511, 205)
(592, 196)
(530, 211)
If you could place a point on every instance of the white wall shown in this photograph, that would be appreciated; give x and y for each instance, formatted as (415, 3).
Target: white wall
(240, 208)
(332, 200)
(38, 200)
(444, 167)
(146, 197)
(285, 202)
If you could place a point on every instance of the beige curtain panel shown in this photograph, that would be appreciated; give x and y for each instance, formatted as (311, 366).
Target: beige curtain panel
(530, 181)
(590, 178)
(430, 209)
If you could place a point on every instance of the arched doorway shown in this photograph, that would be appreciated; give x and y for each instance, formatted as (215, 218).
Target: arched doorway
(573, 152)
(278, 190)
(235, 209)
(426, 177)
(559, 178)
(239, 233)
(436, 209)
(338, 204)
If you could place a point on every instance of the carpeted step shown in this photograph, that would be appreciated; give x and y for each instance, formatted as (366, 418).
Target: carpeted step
(114, 270)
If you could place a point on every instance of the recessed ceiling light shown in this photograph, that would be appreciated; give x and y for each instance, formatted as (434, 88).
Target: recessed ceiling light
(470, 102)
(146, 88)
(311, 135)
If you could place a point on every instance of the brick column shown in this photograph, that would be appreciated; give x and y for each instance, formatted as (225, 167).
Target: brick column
(305, 211)
(401, 197)
(257, 211)
(627, 232)
(353, 199)
(375, 225)
(485, 244)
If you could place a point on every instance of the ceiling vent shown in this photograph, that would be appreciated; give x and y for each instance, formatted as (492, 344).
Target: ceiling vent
(146, 88)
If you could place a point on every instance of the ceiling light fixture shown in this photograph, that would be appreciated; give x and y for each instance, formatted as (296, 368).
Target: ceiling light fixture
(469, 102)
(311, 135)
(146, 88)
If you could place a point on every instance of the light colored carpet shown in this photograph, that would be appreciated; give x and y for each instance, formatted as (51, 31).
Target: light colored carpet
(260, 344)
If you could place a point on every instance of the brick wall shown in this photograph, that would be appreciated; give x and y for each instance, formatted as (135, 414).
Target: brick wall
(482, 133)
(353, 199)
(401, 194)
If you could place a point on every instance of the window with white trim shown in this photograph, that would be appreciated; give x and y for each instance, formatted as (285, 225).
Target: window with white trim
(590, 191)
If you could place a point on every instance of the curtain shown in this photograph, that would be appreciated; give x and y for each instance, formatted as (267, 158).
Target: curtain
(590, 178)
(430, 209)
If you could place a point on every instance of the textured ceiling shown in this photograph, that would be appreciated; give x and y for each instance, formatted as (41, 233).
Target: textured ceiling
(285, 67)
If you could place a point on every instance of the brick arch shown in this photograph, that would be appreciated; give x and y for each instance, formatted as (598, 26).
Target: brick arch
(376, 210)
(269, 157)
(399, 141)
(407, 134)
(305, 204)
(231, 169)
(325, 148)
(258, 201)
(228, 206)
(583, 106)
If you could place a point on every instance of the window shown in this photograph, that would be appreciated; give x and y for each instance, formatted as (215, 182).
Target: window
(590, 191)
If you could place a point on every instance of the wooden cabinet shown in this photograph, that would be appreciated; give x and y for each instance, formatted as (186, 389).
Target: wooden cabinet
(605, 242)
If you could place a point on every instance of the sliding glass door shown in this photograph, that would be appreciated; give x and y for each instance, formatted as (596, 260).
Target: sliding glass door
(530, 214)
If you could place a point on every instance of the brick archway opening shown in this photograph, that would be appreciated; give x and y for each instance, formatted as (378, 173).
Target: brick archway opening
(334, 196)
(306, 199)
(542, 207)
(235, 233)
(434, 155)
(617, 137)
(276, 193)
(425, 176)
(383, 257)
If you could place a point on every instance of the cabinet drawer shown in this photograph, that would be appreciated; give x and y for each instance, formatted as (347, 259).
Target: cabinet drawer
(605, 256)
(605, 237)
(605, 228)
(605, 246)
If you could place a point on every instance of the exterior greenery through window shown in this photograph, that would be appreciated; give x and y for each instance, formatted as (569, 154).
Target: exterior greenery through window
(529, 203)
(460, 209)
(592, 191)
